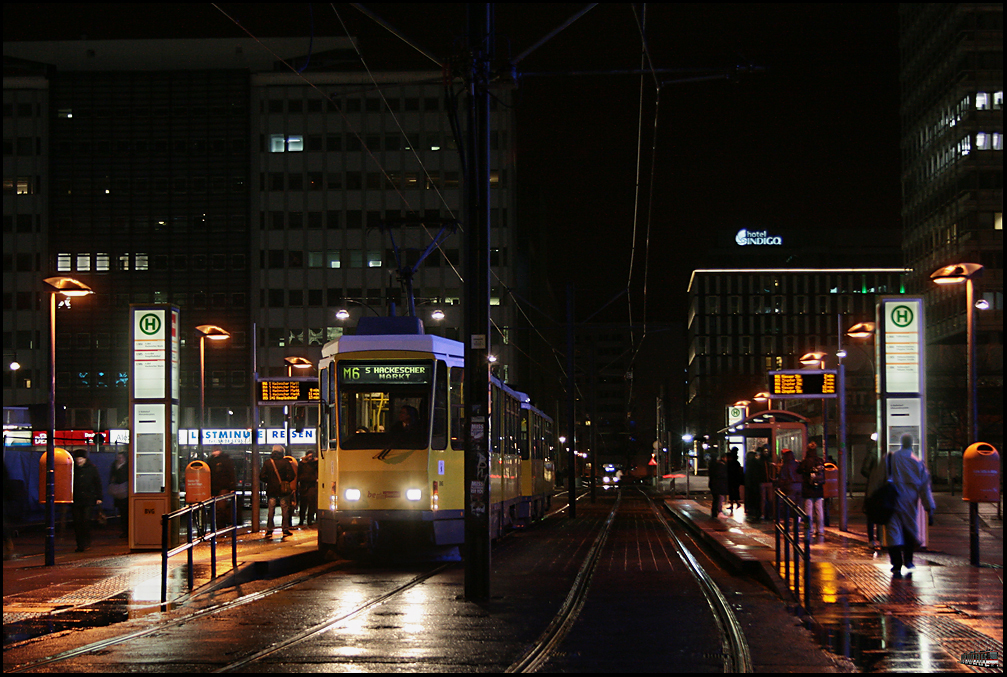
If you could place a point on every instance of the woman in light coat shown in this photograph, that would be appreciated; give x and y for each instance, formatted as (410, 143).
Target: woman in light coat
(913, 483)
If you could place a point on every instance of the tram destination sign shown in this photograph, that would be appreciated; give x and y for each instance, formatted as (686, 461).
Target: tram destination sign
(802, 383)
(359, 372)
(290, 390)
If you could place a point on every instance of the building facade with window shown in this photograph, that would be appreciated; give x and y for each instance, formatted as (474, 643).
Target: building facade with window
(952, 188)
(206, 174)
(746, 322)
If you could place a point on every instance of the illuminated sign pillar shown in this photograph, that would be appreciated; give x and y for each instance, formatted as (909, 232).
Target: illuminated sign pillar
(736, 414)
(153, 422)
(901, 380)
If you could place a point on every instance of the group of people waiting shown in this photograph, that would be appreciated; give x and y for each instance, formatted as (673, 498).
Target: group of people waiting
(762, 475)
(288, 483)
(804, 483)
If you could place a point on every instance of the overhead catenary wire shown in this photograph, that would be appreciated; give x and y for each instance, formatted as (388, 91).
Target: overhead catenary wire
(374, 159)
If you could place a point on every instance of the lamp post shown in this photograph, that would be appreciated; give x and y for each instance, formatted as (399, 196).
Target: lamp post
(957, 273)
(69, 287)
(214, 333)
(301, 364)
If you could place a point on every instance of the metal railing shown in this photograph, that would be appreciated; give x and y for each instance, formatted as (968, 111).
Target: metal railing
(200, 510)
(801, 547)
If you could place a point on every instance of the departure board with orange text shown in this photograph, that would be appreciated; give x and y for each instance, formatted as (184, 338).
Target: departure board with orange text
(288, 390)
(802, 383)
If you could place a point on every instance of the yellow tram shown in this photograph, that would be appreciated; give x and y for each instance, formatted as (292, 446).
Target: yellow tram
(391, 444)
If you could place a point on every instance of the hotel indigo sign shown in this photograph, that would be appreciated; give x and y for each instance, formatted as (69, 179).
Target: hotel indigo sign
(756, 237)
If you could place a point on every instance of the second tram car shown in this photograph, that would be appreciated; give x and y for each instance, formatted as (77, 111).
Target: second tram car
(391, 444)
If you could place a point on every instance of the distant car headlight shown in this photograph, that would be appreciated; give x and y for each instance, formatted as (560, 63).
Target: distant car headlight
(352, 494)
(414, 494)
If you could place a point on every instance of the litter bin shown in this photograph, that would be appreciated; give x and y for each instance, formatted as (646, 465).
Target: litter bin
(981, 474)
(63, 491)
(197, 482)
(831, 488)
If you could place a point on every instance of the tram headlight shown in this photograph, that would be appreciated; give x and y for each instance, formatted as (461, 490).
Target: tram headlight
(414, 494)
(352, 494)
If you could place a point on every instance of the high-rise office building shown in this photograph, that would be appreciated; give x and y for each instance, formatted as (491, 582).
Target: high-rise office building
(209, 175)
(952, 189)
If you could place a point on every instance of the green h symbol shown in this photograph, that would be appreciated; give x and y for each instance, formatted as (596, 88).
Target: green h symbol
(150, 324)
(902, 316)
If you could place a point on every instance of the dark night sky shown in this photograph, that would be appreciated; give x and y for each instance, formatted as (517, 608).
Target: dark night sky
(811, 144)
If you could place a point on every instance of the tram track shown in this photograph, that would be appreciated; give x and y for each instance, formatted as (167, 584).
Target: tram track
(552, 644)
(104, 645)
(734, 647)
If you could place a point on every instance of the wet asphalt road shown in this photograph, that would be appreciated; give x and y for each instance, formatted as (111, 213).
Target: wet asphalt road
(643, 613)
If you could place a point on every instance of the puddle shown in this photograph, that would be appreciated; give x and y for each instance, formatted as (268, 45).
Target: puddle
(121, 607)
(879, 643)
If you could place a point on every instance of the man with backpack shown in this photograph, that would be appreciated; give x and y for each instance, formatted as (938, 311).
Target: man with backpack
(279, 477)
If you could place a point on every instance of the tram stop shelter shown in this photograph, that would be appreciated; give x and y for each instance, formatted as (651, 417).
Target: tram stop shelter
(780, 429)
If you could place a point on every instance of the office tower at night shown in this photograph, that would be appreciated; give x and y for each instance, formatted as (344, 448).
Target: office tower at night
(210, 175)
(952, 189)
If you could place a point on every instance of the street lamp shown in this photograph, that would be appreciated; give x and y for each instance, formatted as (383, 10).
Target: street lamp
(214, 333)
(69, 287)
(956, 273)
(299, 363)
(813, 359)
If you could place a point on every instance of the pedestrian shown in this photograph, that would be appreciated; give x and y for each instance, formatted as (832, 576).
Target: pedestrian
(279, 477)
(769, 471)
(307, 489)
(118, 487)
(789, 479)
(752, 509)
(913, 483)
(718, 482)
(223, 480)
(812, 471)
(87, 492)
(735, 478)
(867, 469)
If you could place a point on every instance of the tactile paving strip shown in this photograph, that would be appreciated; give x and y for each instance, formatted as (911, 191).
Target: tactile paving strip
(25, 607)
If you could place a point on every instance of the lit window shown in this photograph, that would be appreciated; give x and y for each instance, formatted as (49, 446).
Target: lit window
(141, 262)
(998, 100)
(998, 141)
(101, 261)
(83, 262)
(982, 141)
(63, 262)
(982, 101)
(373, 259)
(65, 112)
(332, 260)
(295, 143)
(277, 144)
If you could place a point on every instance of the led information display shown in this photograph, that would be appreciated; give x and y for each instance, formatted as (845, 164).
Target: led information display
(289, 390)
(807, 383)
(352, 372)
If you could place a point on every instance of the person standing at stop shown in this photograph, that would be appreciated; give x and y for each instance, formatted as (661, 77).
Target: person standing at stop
(279, 477)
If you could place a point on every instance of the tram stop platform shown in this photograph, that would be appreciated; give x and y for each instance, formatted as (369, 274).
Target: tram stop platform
(71, 592)
(921, 622)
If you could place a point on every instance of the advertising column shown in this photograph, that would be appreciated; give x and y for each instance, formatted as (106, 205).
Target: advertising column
(153, 422)
(902, 382)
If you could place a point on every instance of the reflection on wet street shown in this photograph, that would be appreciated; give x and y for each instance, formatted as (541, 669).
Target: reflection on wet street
(921, 622)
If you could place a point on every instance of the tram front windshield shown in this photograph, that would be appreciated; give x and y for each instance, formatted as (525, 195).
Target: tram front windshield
(384, 406)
